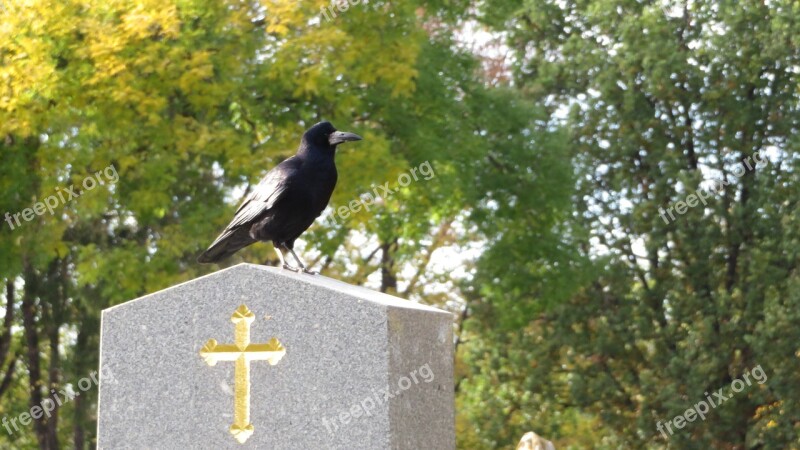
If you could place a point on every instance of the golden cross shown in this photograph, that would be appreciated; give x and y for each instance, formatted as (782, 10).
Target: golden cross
(242, 352)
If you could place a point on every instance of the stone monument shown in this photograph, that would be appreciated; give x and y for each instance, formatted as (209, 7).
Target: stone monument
(263, 358)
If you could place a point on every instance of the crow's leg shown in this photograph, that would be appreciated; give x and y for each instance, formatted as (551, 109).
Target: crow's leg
(280, 256)
(299, 261)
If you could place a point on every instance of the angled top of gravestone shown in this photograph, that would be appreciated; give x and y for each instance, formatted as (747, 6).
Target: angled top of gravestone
(262, 358)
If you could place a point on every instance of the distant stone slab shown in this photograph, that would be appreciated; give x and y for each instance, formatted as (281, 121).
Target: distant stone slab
(258, 357)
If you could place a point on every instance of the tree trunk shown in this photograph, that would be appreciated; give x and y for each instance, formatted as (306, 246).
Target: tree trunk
(45, 433)
(82, 351)
(5, 341)
(388, 275)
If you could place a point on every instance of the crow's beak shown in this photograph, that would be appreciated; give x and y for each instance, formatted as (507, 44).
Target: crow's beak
(343, 136)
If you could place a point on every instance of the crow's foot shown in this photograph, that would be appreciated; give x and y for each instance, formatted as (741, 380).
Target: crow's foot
(293, 269)
(310, 272)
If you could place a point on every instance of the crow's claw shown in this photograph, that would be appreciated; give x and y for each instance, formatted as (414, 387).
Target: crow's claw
(293, 269)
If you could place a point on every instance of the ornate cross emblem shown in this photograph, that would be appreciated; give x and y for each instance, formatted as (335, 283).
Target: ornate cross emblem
(242, 352)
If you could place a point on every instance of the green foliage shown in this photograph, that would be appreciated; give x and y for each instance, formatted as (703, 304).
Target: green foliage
(588, 317)
(659, 104)
(190, 102)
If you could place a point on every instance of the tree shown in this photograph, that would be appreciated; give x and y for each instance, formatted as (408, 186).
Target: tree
(176, 107)
(683, 297)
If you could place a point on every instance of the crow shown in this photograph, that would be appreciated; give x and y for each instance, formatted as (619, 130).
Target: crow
(287, 200)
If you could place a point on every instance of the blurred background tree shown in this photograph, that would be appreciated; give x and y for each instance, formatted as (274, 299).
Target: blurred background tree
(191, 102)
(659, 99)
(582, 315)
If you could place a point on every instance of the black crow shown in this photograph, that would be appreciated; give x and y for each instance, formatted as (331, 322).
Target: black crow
(287, 200)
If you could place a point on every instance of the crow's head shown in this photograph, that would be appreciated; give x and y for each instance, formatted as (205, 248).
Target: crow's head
(324, 134)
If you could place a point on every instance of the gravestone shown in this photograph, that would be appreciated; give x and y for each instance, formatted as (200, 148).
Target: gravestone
(263, 358)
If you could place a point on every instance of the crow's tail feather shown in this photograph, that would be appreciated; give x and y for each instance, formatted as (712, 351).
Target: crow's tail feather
(228, 243)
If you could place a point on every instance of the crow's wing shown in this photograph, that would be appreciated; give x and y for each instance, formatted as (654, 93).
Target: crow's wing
(266, 193)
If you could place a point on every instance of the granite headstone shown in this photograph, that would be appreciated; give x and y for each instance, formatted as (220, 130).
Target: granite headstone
(263, 358)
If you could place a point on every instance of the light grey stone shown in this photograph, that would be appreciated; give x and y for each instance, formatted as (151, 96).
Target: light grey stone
(345, 346)
(532, 441)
